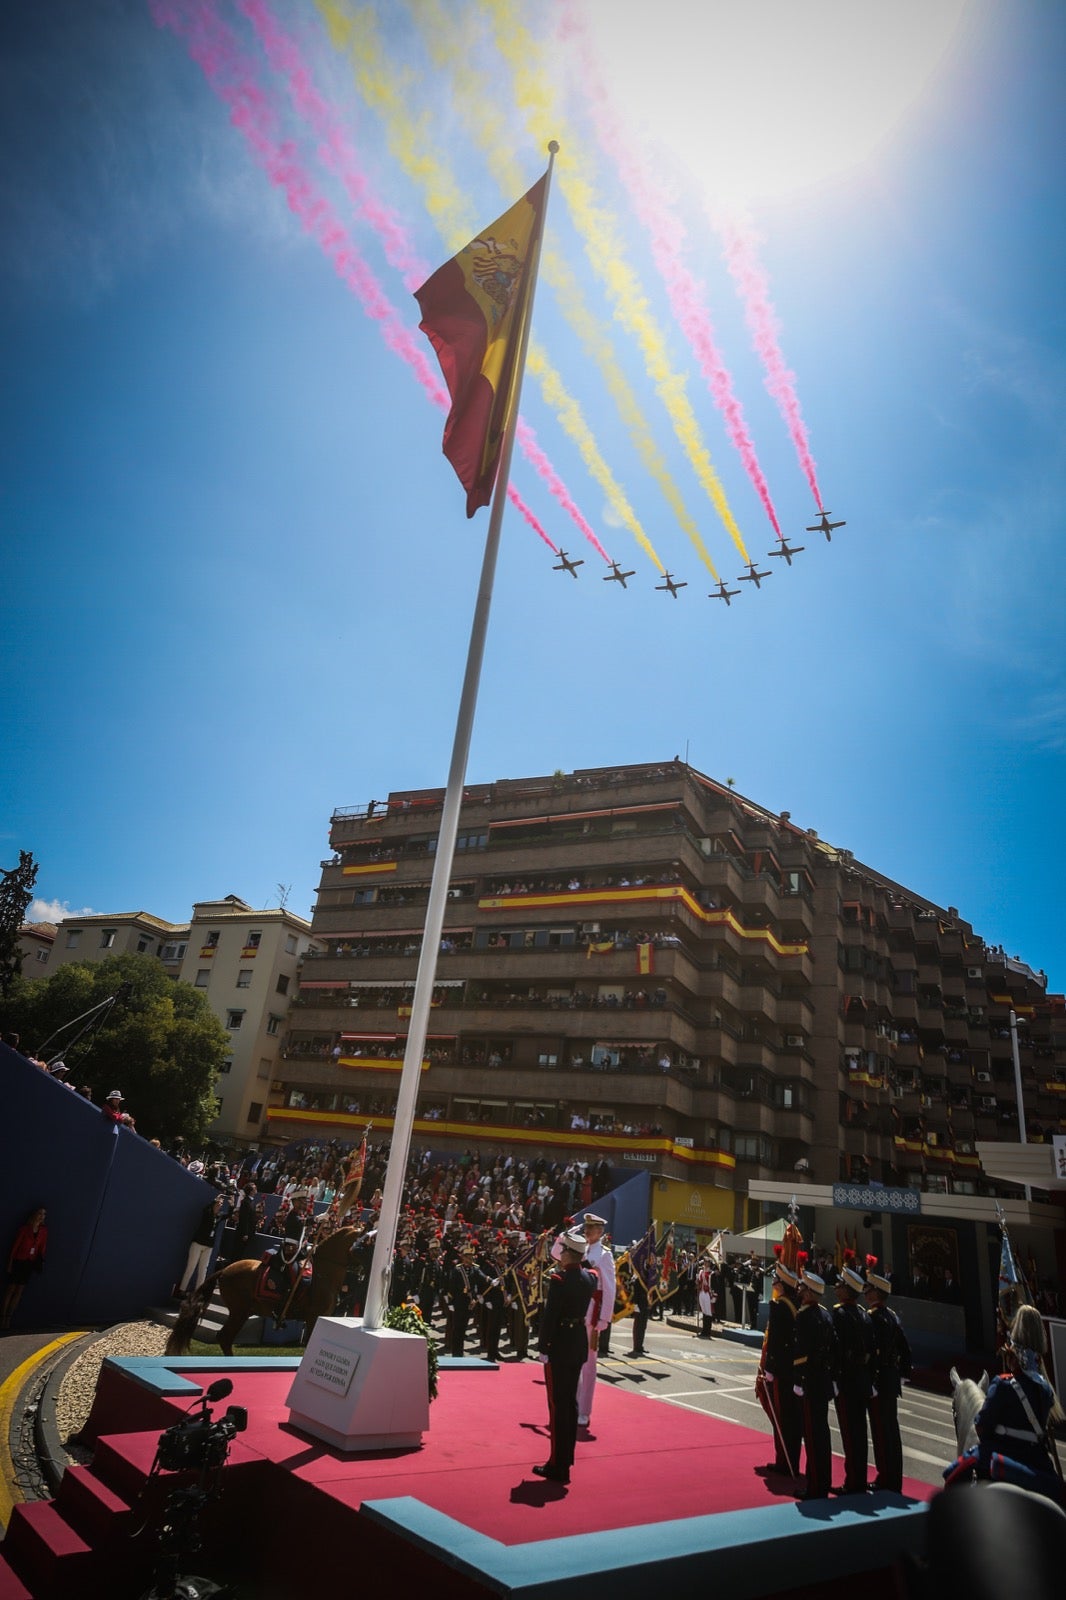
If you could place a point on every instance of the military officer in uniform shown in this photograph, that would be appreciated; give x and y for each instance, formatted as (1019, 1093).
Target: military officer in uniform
(814, 1364)
(564, 1348)
(598, 1257)
(891, 1364)
(465, 1283)
(855, 1342)
(774, 1381)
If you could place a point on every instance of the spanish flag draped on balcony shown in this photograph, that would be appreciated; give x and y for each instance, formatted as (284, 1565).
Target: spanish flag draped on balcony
(474, 309)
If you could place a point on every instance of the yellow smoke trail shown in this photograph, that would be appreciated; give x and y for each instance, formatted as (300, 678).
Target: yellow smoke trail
(445, 45)
(605, 249)
(354, 34)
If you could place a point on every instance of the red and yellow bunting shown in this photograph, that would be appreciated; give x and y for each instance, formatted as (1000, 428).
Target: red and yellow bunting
(376, 1063)
(661, 892)
(499, 1133)
(374, 866)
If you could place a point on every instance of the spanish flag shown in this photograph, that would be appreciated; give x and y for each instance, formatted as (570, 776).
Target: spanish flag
(473, 313)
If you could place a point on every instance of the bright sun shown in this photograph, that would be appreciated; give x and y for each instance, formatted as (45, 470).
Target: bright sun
(761, 98)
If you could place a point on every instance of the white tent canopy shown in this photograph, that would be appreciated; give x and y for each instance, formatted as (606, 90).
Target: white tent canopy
(769, 1234)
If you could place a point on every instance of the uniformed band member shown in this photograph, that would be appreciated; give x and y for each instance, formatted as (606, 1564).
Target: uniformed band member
(891, 1364)
(814, 1366)
(598, 1257)
(775, 1378)
(564, 1347)
(705, 1298)
(856, 1346)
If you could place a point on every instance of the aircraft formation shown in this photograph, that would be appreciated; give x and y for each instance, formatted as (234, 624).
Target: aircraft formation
(671, 585)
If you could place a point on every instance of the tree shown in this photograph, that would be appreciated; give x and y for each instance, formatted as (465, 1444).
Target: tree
(16, 892)
(162, 1047)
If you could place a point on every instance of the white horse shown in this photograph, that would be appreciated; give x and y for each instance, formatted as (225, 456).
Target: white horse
(967, 1398)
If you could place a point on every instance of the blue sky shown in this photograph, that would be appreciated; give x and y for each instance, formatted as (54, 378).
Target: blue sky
(237, 571)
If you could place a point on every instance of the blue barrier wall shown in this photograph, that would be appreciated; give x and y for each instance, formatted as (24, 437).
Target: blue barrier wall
(120, 1212)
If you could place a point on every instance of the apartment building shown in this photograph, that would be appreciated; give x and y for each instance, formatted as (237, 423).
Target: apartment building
(640, 963)
(247, 963)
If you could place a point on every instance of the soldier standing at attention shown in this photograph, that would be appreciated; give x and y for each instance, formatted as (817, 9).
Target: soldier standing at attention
(564, 1347)
(891, 1364)
(597, 1256)
(855, 1339)
(773, 1383)
(813, 1372)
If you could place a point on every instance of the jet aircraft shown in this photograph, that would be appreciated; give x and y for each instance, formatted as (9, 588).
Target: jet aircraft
(566, 565)
(823, 525)
(722, 593)
(670, 584)
(787, 550)
(616, 575)
(752, 575)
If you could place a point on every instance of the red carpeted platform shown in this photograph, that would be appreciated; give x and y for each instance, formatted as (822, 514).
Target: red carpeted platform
(659, 1494)
(639, 1461)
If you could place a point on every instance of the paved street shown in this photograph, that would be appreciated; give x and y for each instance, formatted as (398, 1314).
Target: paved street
(719, 1378)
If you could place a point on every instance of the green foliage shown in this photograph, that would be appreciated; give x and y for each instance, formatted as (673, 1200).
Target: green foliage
(163, 1047)
(408, 1319)
(16, 892)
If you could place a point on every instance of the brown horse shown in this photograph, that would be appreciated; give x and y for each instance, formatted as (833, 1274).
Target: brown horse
(237, 1285)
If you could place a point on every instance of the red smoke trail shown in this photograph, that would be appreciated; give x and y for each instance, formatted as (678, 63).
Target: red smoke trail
(336, 152)
(214, 50)
(667, 235)
(527, 441)
(741, 253)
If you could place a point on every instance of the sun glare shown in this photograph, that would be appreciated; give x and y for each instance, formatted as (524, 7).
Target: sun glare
(762, 98)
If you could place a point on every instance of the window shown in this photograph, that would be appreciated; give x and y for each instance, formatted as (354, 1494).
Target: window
(202, 978)
(364, 897)
(144, 946)
(74, 938)
(244, 978)
(42, 955)
(173, 952)
(212, 939)
(227, 1065)
(255, 1111)
(547, 1060)
(253, 941)
(107, 938)
(273, 1023)
(234, 1019)
(283, 983)
(290, 945)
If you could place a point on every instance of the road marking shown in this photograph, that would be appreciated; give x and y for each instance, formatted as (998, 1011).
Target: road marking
(10, 1493)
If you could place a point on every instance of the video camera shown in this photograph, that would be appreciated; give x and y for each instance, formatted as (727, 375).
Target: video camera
(200, 1443)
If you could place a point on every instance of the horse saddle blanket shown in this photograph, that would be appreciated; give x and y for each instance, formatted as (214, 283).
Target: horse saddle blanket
(277, 1279)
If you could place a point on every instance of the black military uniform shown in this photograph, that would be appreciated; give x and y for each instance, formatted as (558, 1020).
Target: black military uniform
(855, 1341)
(495, 1271)
(891, 1364)
(465, 1284)
(430, 1283)
(778, 1343)
(814, 1365)
(564, 1340)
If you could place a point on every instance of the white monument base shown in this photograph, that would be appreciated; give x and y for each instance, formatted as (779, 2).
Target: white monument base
(361, 1388)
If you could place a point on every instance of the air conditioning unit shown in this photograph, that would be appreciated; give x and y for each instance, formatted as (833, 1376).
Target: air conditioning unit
(988, 1102)
(964, 1148)
(983, 1077)
(974, 972)
(795, 1038)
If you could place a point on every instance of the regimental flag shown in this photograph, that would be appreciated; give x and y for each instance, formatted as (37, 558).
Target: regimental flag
(1013, 1289)
(644, 1261)
(473, 313)
(525, 1271)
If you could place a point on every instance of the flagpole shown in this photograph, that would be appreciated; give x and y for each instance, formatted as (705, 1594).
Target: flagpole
(392, 1195)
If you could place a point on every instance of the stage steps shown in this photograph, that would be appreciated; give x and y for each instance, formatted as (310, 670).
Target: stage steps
(77, 1544)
